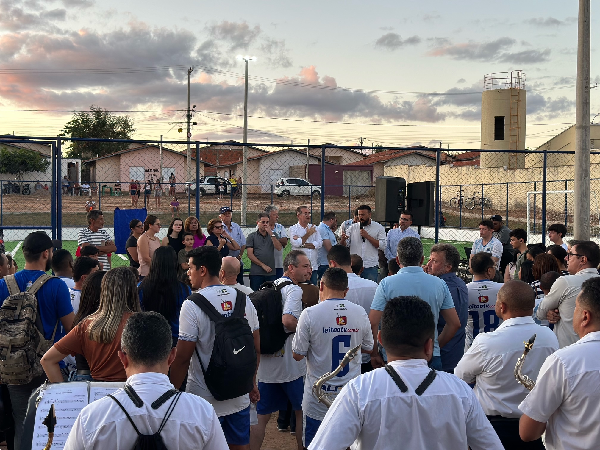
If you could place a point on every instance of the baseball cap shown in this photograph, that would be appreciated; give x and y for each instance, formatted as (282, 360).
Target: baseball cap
(224, 209)
(496, 218)
(37, 242)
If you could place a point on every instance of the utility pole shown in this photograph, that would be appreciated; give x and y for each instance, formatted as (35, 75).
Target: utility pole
(581, 226)
(189, 133)
(361, 140)
(245, 149)
(307, 159)
(161, 160)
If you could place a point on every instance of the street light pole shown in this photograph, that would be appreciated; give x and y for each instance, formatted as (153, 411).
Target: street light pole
(189, 133)
(245, 149)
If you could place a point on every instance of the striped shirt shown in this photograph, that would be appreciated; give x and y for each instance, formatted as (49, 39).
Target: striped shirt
(97, 239)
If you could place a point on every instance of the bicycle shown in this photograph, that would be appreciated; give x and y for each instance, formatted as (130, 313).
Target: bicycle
(473, 202)
(457, 201)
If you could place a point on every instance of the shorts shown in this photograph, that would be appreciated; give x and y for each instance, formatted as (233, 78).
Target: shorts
(133, 192)
(236, 427)
(275, 396)
(157, 193)
(310, 429)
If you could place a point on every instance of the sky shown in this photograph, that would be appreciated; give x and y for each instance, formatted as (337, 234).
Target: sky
(394, 73)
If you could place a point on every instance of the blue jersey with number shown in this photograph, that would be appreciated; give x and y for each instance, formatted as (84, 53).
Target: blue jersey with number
(482, 304)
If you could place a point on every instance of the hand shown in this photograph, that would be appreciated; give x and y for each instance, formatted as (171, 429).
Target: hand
(376, 361)
(309, 246)
(311, 230)
(363, 233)
(269, 230)
(222, 242)
(254, 394)
(343, 237)
(267, 268)
(553, 316)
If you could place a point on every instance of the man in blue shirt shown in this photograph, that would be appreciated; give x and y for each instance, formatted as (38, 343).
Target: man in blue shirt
(326, 230)
(394, 236)
(412, 280)
(443, 263)
(235, 231)
(54, 305)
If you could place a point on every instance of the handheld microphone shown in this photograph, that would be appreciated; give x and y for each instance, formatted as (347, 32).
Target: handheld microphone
(361, 227)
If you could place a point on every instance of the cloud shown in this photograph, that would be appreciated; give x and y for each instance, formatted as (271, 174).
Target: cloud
(276, 53)
(15, 16)
(461, 81)
(431, 17)
(550, 21)
(548, 108)
(238, 35)
(393, 41)
(497, 50)
(78, 3)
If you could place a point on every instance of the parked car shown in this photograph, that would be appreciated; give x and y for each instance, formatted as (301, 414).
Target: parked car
(285, 187)
(208, 185)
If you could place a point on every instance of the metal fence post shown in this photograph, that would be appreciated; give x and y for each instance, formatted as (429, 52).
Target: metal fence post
(52, 190)
(481, 200)
(438, 205)
(506, 204)
(534, 206)
(544, 198)
(198, 180)
(2, 206)
(460, 205)
(566, 202)
(58, 189)
(349, 202)
(322, 182)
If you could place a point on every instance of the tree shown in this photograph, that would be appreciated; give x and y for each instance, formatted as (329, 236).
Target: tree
(19, 161)
(100, 124)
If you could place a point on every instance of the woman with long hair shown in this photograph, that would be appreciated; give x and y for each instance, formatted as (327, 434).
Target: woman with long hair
(161, 291)
(147, 244)
(560, 254)
(173, 237)
(193, 226)
(543, 263)
(98, 336)
(88, 305)
(220, 238)
(137, 228)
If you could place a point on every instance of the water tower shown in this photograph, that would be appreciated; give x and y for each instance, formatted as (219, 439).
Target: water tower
(503, 121)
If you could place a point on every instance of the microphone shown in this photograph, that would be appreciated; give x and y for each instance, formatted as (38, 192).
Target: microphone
(361, 227)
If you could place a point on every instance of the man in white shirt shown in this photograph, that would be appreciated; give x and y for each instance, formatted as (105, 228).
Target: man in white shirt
(565, 402)
(230, 269)
(556, 234)
(326, 230)
(96, 235)
(146, 354)
(235, 231)
(394, 236)
(360, 290)
(306, 237)
(280, 233)
(482, 298)
(365, 238)
(196, 340)
(582, 260)
(279, 374)
(487, 243)
(490, 362)
(406, 404)
(324, 334)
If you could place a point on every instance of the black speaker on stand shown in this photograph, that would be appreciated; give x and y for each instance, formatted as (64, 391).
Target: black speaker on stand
(420, 200)
(390, 195)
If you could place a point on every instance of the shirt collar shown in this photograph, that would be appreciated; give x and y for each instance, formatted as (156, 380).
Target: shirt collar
(593, 336)
(525, 320)
(409, 363)
(587, 270)
(325, 225)
(352, 275)
(149, 378)
(411, 269)
(446, 276)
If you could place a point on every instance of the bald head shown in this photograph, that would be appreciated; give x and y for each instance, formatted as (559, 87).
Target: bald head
(231, 266)
(518, 297)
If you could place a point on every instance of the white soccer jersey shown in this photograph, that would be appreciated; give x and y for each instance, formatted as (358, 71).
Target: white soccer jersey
(324, 334)
(482, 314)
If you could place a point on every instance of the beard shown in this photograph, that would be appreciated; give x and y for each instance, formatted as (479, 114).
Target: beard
(48, 265)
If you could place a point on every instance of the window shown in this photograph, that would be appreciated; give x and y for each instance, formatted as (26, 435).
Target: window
(499, 128)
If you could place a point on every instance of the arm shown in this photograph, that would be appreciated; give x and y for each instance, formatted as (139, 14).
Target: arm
(50, 362)
(109, 247)
(232, 245)
(165, 241)
(451, 327)
(179, 368)
(529, 429)
(67, 321)
(256, 261)
(553, 299)
(133, 252)
(242, 249)
(327, 244)
(471, 364)
(374, 319)
(301, 341)
(276, 242)
(289, 322)
(254, 394)
(143, 250)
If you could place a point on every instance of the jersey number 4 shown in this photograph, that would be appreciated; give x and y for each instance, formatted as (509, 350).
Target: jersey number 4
(338, 352)
(490, 321)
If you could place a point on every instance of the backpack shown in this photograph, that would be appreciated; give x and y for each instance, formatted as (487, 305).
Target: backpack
(232, 365)
(269, 307)
(22, 341)
(150, 441)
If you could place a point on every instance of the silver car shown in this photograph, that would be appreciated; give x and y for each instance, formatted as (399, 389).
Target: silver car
(285, 187)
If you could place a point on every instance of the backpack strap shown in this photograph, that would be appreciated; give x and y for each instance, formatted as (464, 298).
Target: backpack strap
(402, 386)
(240, 305)
(11, 284)
(201, 302)
(169, 410)
(39, 283)
(392, 373)
(280, 286)
(127, 414)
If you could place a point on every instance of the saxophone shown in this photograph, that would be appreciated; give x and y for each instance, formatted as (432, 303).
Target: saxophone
(324, 397)
(521, 378)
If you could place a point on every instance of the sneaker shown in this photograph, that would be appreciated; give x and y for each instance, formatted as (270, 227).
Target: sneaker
(293, 433)
(282, 430)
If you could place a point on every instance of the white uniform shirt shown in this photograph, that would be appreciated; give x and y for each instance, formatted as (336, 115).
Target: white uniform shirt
(296, 233)
(195, 326)
(281, 367)
(562, 295)
(491, 363)
(361, 292)
(372, 410)
(75, 298)
(567, 397)
(325, 333)
(362, 247)
(103, 425)
(68, 281)
(482, 304)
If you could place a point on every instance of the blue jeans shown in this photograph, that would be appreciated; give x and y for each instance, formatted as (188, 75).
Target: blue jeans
(257, 280)
(370, 273)
(240, 277)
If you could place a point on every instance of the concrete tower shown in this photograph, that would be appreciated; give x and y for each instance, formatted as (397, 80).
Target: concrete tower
(503, 121)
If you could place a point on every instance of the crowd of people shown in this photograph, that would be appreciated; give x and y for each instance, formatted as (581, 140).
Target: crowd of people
(431, 352)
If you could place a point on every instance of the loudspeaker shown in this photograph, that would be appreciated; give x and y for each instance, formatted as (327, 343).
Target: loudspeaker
(421, 199)
(389, 198)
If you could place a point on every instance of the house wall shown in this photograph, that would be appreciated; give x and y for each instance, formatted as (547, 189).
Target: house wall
(339, 154)
(337, 179)
(108, 170)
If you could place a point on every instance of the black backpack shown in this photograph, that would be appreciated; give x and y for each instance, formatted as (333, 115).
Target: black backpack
(269, 307)
(230, 372)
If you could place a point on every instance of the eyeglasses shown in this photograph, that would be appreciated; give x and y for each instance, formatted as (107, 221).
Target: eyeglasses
(573, 254)
(218, 226)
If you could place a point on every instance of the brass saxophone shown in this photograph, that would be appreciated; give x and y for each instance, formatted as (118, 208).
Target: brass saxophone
(521, 378)
(324, 397)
